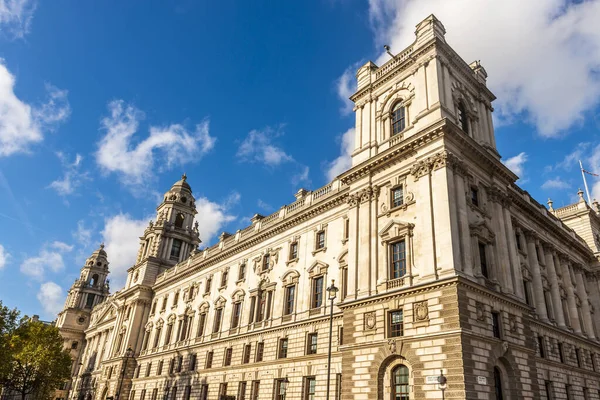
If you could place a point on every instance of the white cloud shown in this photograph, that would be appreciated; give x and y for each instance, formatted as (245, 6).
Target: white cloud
(211, 218)
(83, 235)
(72, 177)
(258, 147)
(22, 125)
(51, 297)
(572, 159)
(516, 163)
(345, 87)
(264, 205)
(593, 165)
(232, 200)
(4, 256)
(529, 55)
(555, 184)
(37, 266)
(135, 160)
(16, 16)
(301, 176)
(344, 161)
(121, 237)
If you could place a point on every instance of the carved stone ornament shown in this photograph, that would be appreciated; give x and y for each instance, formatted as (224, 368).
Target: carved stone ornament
(421, 311)
(370, 320)
(480, 309)
(392, 346)
(512, 323)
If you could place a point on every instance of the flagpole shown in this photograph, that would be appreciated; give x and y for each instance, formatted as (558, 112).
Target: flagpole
(587, 191)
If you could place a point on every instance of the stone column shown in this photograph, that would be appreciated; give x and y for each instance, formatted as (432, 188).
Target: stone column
(516, 273)
(554, 289)
(538, 289)
(463, 220)
(585, 305)
(595, 300)
(503, 261)
(454, 219)
(353, 200)
(374, 237)
(574, 315)
(364, 243)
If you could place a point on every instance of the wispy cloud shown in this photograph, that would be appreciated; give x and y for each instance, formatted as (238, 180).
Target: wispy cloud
(51, 296)
(72, 178)
(555, 184)
(23, 125)
(258, 146)
(345, 87)
(136, 160)
(15, 17)
(536, 50)
(50, 258)
(517, 163)
(4, 257)
(344, 161)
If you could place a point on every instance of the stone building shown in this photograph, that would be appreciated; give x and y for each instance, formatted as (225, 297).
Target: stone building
(453, 282)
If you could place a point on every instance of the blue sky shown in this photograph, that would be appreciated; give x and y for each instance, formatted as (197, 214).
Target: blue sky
(103, 105)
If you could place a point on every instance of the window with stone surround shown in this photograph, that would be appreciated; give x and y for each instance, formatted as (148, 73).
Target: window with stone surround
(192, 363)
(175, 249)
(154, 394)
(398, 259)
(280, 389)
(208, 285)
(160, 367)
(209, 359)
(496, 330)
(395, 323)
(260, 351)
(174, 393)
(163, 306)
(311, 343)
(201, 323)
(179, 220)
(204, 391)
(398, 118)
(498, 384)
(228, 356)
(483, 261)
(255, 390)
(317, 292)
(266, 261)
(246, 353)
(320, 240)
(561, 353)
(463, 119)
(242, 271)
(218, 318)
(290, 298)
(541, 347)
(475, 196)
(282, 351)
(241, 391)
(187, 392)
(222, 389)
(148, 368)
(549, 392)
(397, 196)
(400, 383)
(224, 276)
(293, 251)
(236, 312)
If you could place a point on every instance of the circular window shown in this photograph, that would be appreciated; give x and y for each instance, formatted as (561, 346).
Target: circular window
(81, 320)
(98, 263)
(184, 199)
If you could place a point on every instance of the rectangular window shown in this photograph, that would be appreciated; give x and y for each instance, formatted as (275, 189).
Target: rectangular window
(398, 260)
(518, 240)
(154, 394)
(163, 305)
(317, 292)
(483, 260)
(397, 196)
(474, 196)
(549, 394)
(174, 393)
(320, 240)
(187, 392)
(224, 276)
(396, 323)
(148, 368)
(208, 285)
(179, 363)
(209, 359)
(175, 299)
(283, 348)
(159, 368)
(242, 272)
(223, 389)
(204, 391)
(201, 323)
(541, 346)
(171, 366)
(294, 251)
(255, 390)
(266, 262)
(341, 336)
(228, 355)
(569, 389)
(311, 343)
(175, 249)
(138, 370)
(347, 228)
(526, 292)
(154, 306)
(290, 294)
(260, 349)
(578, 357)
(280, 389)
(193, 358)
(218, 316)
(560, 353)
(132, 395)
(235, 314)
(496, 324)
(310, 386)
(246, 355)
(241, 391)
(548, 303)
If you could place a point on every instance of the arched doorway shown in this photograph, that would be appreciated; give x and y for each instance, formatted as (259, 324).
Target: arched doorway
(394, 380)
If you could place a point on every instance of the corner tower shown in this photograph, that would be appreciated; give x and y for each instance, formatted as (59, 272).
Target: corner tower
(169, 240)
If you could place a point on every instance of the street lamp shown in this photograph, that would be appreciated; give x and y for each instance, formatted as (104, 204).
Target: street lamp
(128, 355)
(284, 385)
(332, 292)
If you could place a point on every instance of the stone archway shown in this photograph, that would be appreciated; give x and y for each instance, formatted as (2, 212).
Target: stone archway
(384, 376)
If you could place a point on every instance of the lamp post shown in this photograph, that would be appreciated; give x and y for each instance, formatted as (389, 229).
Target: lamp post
(332, 292)
(128, 355)
(284, 385)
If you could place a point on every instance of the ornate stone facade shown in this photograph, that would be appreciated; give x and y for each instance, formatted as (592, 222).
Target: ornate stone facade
(454, 282)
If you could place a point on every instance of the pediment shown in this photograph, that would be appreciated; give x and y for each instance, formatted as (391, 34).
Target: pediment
(109, 313)
(395, 230)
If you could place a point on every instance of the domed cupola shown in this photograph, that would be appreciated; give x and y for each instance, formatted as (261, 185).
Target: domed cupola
(98, 259)
(180, 192)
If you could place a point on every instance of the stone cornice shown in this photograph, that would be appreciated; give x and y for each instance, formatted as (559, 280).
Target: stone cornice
(335, 200)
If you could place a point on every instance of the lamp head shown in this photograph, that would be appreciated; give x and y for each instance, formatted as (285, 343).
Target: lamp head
(332, 290)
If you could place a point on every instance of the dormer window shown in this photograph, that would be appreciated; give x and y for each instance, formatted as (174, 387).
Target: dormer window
(463, 121)
(398, 119)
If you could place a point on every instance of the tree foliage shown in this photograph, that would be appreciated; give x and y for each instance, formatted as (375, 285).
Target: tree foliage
(32, 355)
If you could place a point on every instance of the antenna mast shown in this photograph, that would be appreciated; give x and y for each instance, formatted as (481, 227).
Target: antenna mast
(587, 191)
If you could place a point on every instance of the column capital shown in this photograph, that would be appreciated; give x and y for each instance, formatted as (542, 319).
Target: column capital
(548, 247)
(530, 235)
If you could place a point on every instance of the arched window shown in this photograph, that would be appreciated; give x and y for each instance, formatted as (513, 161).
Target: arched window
(400, 383)
(498, 383)
(179, 220)
(398, 119)
(462, 117)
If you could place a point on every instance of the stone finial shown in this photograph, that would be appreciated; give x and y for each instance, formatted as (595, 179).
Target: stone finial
(550, 202)
(580, 194)
(300, 193)
(184, 177)
(596, 205)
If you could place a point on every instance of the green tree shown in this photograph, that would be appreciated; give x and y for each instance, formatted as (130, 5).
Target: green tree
(37, 364)
(9, 321)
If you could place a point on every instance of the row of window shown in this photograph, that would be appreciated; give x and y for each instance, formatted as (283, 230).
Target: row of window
(551, 392)
(541, 342)
(176, 364)
(309, 385)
